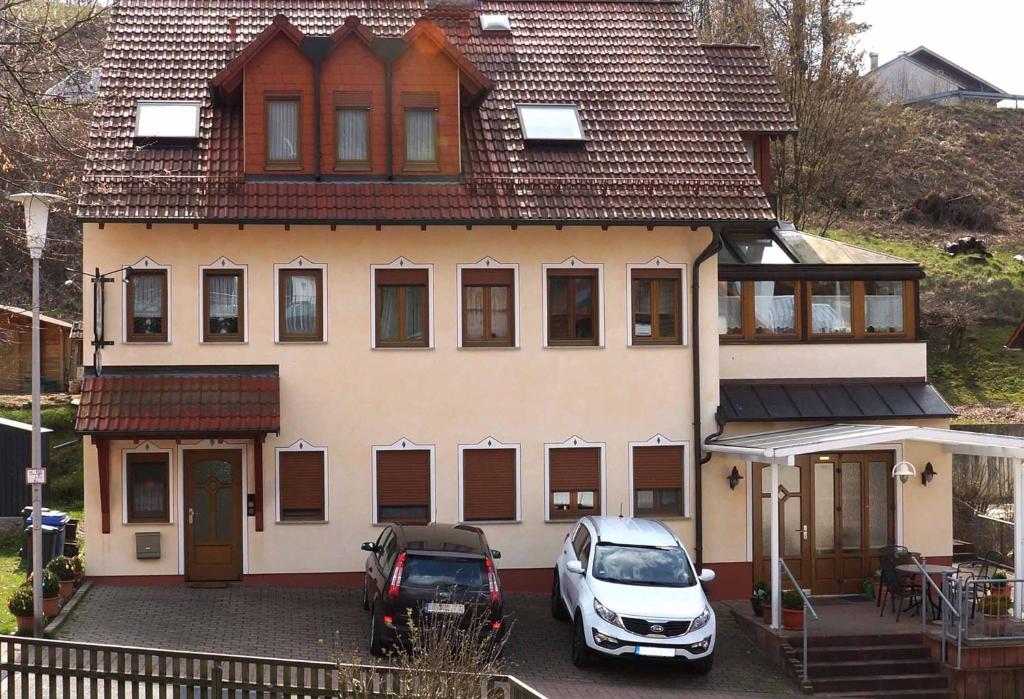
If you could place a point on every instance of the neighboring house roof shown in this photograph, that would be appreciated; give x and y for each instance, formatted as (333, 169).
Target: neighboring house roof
(660, 146)
(25, 313)
(180, 400)
(756, 401)
(748, 86)
(1016, 340)
(79, 86)
(941, 64)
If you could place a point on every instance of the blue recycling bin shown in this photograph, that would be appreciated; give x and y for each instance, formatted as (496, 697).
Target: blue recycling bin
(54, 523)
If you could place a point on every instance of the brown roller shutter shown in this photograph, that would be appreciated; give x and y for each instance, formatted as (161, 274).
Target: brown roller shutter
(488, 484)
(575, 468)
(657, 467)
(403, 478)
(401, 276)
(302, 485)
(492, 277)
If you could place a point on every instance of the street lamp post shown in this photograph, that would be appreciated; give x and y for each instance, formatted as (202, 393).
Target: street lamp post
(37, 211)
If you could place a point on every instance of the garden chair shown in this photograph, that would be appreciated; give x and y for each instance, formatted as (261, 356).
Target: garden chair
(899, 587)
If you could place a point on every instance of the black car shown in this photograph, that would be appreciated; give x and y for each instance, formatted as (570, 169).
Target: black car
(432, 570)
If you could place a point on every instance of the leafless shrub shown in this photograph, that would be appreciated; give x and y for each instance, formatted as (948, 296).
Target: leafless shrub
(948, 309)
(968, 211)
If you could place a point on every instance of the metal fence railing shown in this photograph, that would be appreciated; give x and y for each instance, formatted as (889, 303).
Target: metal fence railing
(987, 608)
(807, 607)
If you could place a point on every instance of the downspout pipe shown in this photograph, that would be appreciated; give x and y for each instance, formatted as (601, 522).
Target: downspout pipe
(706, 254)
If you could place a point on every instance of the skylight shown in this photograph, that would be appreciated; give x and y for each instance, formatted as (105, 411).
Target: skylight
(167, 119)
(550, 122)
(495, 23)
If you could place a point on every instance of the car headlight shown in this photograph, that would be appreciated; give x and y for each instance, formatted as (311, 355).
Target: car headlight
(701, 620)
(607, 614)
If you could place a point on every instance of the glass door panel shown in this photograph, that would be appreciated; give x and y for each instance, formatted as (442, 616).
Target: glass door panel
(879, 482)
(824, 508)
(851, 505)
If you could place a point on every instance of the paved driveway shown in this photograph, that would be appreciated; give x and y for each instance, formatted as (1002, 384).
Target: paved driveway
(328, 624)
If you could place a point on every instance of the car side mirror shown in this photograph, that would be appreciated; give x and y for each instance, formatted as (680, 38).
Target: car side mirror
(706, 575)
(574, 567)
(495, 554)
(369, 546)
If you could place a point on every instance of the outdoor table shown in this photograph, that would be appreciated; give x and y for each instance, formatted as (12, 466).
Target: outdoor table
(930, 569)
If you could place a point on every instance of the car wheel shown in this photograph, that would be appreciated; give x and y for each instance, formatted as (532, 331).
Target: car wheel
(366, 597)
(557, 605)
(376, 640)
(703, 666)
(582, 656)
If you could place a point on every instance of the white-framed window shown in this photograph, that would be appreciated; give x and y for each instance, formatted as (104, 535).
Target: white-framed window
(489, 482)
(146, 303)
(488, 314)
(574, 479)
(550, 122)
(300, 301)
(659, 478)
(167, 119)
(403, 483)
(147, 493)
(223, 302)
(656, 304)
(301, 483)
(572, 298)
(402, 305)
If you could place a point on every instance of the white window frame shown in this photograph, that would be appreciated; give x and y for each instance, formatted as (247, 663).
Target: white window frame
(224, 263)
(402, 263)
(573, 263)
(146, 263)
(552, 105)
(299, 263)
(489, 263)
(658, 263)
(660, 440)
(147, 448)
(300, 445)
(198, 106)
(574, 442)
(403, 444)
(492, 443)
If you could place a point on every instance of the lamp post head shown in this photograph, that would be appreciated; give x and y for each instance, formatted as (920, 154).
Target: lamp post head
(37, 213)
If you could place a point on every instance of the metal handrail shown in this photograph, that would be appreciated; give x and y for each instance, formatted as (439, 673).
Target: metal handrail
(944, 601)
(807, 605)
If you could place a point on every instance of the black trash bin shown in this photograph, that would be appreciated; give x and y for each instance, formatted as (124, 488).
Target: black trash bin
(51, 536)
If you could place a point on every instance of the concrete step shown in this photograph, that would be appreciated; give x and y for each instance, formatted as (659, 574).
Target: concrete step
(870, 668)
(879, 683)
(903, 639)
(875, 652)
(909, 693)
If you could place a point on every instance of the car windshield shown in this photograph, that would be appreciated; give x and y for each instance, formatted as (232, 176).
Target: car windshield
(643, 565)
(430, 573)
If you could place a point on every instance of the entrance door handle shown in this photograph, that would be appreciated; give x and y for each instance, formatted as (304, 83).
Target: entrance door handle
(191, 515)
(802, 530)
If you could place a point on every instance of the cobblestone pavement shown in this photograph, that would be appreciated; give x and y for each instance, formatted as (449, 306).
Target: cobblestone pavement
(327, 624)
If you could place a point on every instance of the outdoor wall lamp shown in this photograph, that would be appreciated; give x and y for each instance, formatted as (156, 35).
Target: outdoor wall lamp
(928, 474)
(904, 470)
(734, 478)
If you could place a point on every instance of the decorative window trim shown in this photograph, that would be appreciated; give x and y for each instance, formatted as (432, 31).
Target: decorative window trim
(303, 446)
(574, 442)
(224, 263)
(489, 263)
(660, 440)
(492, 443)
(146, 264)
(573, 263)
(402, 444)
(684, 325)
(147, 448)
(402, 263)
(299, 263)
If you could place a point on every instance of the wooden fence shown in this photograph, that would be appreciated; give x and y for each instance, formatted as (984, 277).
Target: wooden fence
(33, 668)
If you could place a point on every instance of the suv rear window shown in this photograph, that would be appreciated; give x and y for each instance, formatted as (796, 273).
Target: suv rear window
(427, 572)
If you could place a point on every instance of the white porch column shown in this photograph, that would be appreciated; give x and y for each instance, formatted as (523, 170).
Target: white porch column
(1018, 534)
(776, 573)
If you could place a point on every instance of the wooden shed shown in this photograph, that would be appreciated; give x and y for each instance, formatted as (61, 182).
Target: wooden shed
(15, 457)
(58, 359)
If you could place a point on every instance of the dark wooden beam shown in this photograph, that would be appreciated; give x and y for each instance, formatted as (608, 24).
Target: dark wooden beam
(257, 448)
(103, 466)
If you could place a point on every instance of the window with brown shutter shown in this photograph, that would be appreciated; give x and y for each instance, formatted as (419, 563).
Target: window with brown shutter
(488, 485)
(574, 481)
(403, 486)
(301, 486)
(402, 308)
(658, 481)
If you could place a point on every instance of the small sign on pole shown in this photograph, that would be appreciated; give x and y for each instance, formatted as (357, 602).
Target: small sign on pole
(35, 476)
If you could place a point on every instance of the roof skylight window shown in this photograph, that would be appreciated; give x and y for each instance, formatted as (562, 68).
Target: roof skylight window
(495, 23)
(759, 248)
(550, 122)
(167, 119)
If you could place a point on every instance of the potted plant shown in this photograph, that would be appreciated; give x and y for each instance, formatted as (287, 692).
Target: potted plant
(758, 595)
(51, 593)
(78, 568)
(766, 604)
(996, 611)
(999, 587)
(61, 567)
(20, 606)
(792, 611)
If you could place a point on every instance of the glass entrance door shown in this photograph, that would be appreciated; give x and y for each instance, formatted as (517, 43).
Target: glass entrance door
(794, 523)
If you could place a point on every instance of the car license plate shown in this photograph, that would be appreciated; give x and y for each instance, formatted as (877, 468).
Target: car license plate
(444, 608)
(655, 652)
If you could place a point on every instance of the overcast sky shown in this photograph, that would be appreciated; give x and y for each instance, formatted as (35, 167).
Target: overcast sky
(983, 36)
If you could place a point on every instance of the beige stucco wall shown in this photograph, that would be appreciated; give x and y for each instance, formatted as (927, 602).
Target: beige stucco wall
(347, 397)
(824, 360)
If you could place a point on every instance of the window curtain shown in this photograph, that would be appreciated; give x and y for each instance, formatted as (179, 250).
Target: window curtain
(420, 135)
(499, 312)
(282, 130)
(223, 291)
(389, 312)
(300, 311)
(883, 313)
(147, 295)
(474, 312)
(352, 134)
(830, 308)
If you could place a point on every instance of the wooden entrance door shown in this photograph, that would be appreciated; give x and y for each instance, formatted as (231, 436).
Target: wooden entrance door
(853, 518)
(794, 519)
(213, 515)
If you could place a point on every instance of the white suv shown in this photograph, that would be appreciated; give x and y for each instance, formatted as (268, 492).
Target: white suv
(629, 587)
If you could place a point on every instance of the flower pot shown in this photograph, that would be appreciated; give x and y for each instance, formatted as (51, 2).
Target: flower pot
(793, 619)
(26, 625)
(995, 624)
(1000, 590)
(757, 604)
(67, 590)
(51, 606)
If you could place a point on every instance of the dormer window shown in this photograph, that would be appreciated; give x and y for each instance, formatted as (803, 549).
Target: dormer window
(495, 23)
(550, 122)
(283, 132)
(167, 120)
(352, 130)
(420, 130)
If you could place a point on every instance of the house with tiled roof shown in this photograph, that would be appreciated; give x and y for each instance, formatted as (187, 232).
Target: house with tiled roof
(499, 263)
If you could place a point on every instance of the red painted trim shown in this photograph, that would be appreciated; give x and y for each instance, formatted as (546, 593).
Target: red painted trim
(733, 580)
(257, 447)
(137, 579)
(103, 466)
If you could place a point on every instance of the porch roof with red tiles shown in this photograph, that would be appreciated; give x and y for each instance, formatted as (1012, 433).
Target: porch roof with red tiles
(662, 145)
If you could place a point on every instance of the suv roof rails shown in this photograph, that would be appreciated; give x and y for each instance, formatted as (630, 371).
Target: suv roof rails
(597, 529)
